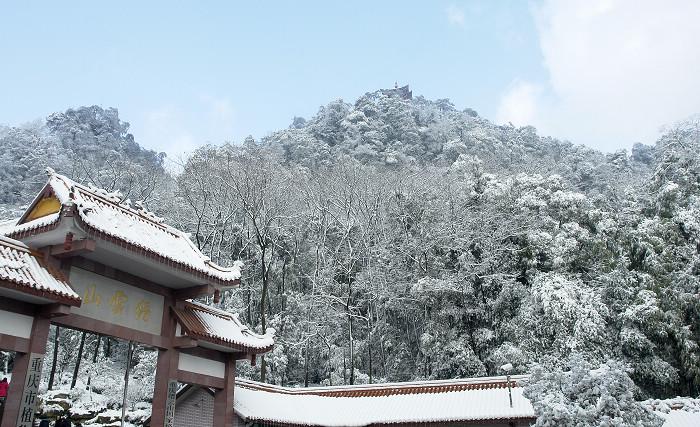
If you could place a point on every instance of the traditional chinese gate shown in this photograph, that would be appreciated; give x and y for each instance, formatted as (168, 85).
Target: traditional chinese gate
(88, 262)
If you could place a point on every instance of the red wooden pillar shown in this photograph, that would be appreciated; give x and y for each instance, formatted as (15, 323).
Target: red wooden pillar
(223, 399)
(166, 372)
(20, 377)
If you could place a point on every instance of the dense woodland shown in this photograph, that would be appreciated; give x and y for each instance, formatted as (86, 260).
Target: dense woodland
(397, 239)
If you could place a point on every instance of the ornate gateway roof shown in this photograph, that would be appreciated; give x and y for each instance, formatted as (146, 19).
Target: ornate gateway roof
(25, 271)
(218, 327)
(105, 216)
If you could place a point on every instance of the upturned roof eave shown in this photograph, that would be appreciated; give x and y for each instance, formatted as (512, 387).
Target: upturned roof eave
(49, 295)
(94, 233)
(210, 338)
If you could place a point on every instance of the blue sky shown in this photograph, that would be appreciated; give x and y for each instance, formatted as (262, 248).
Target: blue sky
(187, 73)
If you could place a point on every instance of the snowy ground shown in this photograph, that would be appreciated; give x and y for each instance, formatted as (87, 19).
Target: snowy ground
(89, 408)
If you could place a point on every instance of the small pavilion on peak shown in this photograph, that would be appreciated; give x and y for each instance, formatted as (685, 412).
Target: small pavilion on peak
(81, 257)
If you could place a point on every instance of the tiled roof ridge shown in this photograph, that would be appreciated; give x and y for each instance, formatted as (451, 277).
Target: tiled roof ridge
(211, 310)
(196, 327)
(388, 389)
(55, 272)
(15, 244)
(42, 224)
(73, 195)
(19, 246)
(69, 183)
(34, 273)
(674, 403)
(212, 264)
(233, 317)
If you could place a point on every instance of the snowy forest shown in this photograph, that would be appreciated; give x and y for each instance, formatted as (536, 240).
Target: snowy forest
(396, 239)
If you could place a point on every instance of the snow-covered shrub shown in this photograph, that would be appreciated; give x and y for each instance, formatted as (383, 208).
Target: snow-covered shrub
(583, 396)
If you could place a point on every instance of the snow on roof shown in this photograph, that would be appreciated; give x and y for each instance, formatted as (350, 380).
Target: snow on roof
(677, 411)
(45, 221)
(219, 327)
(678, 418)
(479, 399)
(8, 225)
(26, 272)
(133, 227)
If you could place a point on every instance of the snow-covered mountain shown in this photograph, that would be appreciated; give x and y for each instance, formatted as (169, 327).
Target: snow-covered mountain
(399, 238)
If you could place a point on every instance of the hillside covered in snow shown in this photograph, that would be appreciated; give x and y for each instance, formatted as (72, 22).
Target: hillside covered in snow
(398, 238)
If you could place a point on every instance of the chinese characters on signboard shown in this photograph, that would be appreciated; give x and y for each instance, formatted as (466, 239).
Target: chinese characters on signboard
(170, 404)
(116, 302)
(28, 404)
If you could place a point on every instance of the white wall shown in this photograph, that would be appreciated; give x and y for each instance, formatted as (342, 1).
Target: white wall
(18, 325)
(200, 365)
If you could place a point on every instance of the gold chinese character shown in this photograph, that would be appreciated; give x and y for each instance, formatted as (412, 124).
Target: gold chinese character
(118, 302)
(143, 310)
(91, 296)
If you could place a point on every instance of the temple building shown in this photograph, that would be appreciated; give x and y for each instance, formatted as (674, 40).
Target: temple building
(403, 92)
(463, 402)
(81, 258)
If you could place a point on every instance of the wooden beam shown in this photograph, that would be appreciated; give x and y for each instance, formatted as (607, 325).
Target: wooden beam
(206, 353)
(73, 248)
(239, 356)
(83, 323)
(120, 276)
(13, 343)
(200, 379)
(184, 342)
(21, 288)
(7, 303)
(194, 292)
(53, 310)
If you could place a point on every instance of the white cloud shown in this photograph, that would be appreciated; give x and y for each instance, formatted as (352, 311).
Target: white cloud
(455, 15)
(177, 130)
(165, 129)
(220, 110)
(618, 70)
(519, 104)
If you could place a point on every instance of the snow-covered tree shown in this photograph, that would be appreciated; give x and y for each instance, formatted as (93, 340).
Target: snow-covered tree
(583, 395)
